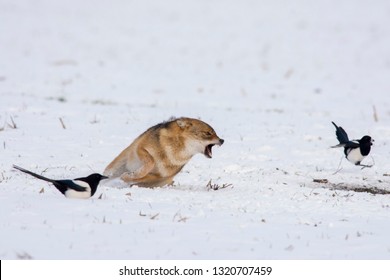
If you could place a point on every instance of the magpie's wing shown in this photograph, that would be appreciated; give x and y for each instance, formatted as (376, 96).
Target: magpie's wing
(342, 136)
(352, 144)
(64, 185)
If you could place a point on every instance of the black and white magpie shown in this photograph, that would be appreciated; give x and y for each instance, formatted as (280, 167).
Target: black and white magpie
(355, 150)
(76, 188)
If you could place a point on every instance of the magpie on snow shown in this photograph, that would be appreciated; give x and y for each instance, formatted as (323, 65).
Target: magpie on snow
(77, 188)
(355, 150)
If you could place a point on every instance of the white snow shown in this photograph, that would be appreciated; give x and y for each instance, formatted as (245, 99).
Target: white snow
(268, 76)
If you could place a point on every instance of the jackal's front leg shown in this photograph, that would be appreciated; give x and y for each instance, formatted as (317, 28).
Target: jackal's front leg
(146, 165)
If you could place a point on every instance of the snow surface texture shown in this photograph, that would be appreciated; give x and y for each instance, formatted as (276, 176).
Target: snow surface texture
(79, 80)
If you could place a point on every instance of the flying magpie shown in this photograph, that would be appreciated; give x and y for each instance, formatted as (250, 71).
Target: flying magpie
(355, 150)
(76, 188)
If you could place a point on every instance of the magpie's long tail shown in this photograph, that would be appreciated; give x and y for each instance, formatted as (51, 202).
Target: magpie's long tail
(33, 174)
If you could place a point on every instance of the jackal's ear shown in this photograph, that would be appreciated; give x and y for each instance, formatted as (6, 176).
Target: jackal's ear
(183, 123)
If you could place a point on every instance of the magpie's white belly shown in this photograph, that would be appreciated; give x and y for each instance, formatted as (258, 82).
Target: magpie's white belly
(75, 194)
(355, 156)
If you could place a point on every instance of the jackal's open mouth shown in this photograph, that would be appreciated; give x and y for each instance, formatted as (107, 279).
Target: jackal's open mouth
(208, 152)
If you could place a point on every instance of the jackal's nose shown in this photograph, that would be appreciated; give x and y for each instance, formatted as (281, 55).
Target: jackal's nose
(221, 141)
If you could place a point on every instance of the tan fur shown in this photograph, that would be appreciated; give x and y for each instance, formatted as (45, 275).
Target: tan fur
(157, 155)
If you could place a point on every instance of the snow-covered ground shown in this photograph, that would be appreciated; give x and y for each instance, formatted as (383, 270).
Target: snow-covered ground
(79, 80)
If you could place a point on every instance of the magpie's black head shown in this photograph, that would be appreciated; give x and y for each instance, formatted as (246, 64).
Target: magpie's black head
(95, 178)
(93, 181)
(366, 140)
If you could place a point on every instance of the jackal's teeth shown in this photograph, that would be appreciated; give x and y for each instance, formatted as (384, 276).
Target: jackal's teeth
(208, 151)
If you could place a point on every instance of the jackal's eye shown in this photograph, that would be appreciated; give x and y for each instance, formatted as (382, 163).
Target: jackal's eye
(207, 133)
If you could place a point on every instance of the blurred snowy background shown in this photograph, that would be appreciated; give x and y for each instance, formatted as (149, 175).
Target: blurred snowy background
(79, 80)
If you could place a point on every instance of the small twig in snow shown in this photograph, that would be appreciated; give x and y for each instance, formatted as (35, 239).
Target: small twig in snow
(154, 216)
(13, 124)
(62, 123)
(375, 114)
(141, 214)
(215, 187)
(322, 181)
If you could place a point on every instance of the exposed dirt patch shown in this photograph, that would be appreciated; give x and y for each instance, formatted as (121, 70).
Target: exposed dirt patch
(356, 188)
(352, 187)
